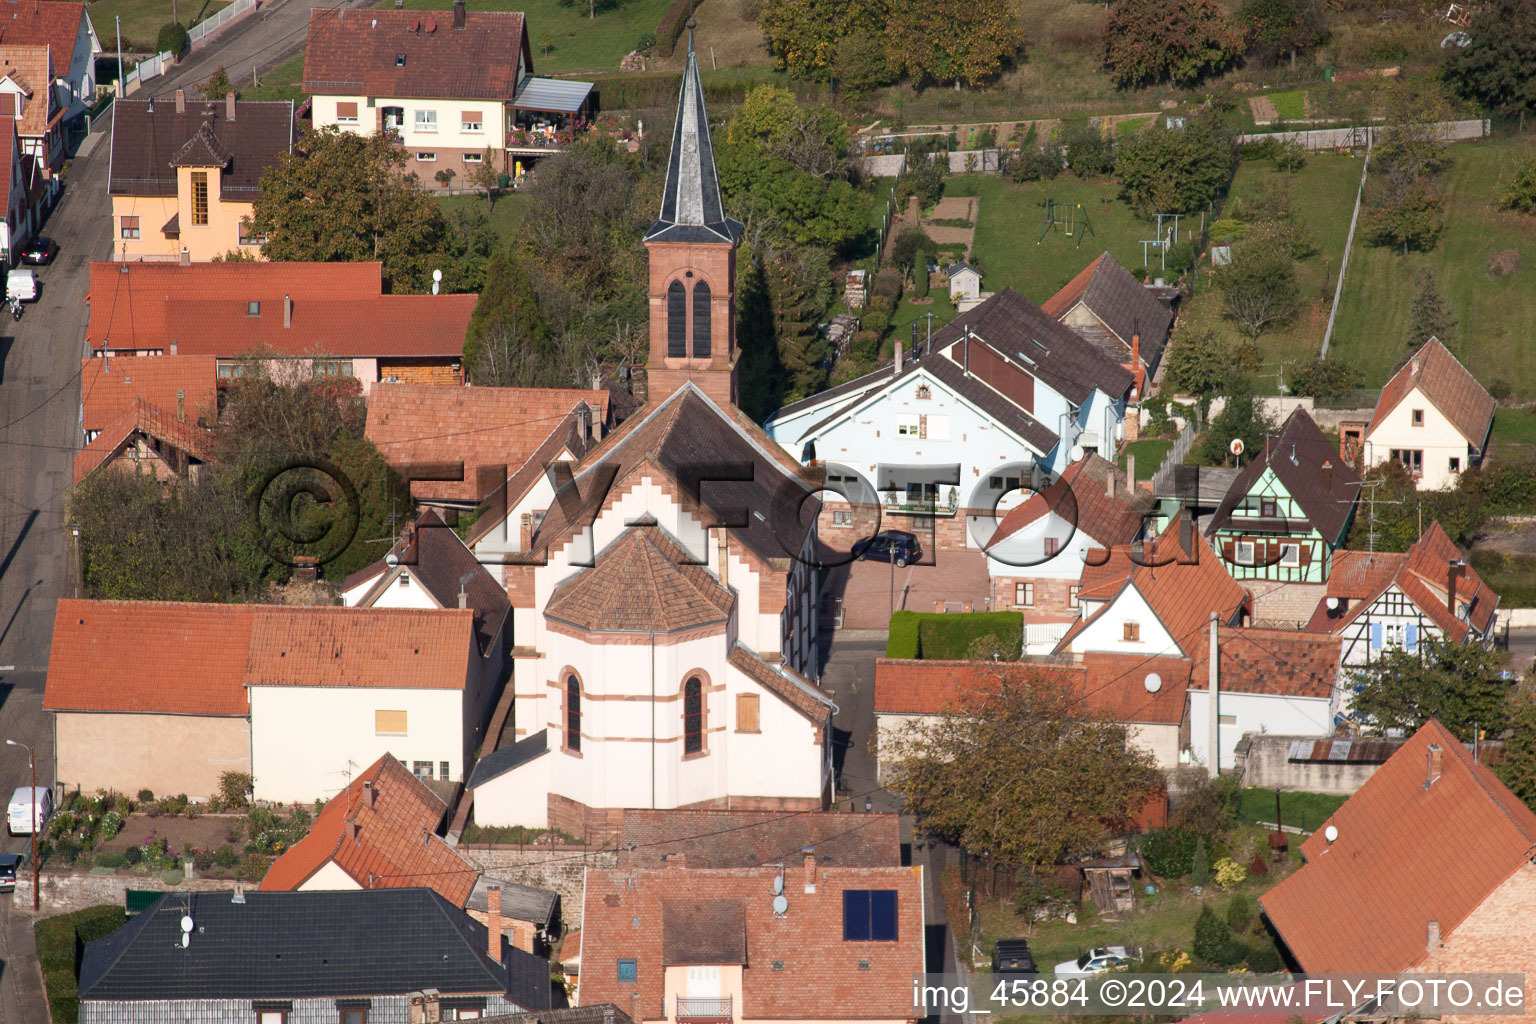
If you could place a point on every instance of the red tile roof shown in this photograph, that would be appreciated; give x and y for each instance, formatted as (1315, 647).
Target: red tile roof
(360, 55)
(1278, 662)
(12, 159)
(31, 67)
(143, 418)
(187, 658)
(108, 386)
(1405, 855)
(339, 309)
(1448, 386)
(392, 844)
(784, 682)
(492, 428)
(644, 582)
(55, 24)
(740, 839)
(1080, 496)
(819, 976)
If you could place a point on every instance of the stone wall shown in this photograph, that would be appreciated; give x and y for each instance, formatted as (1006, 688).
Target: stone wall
(561, 869)
(1268, 766)
(63, 893)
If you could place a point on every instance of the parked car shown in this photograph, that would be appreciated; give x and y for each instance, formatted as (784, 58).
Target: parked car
(21, 284)
(20, 815)
(10, 867)
(1012, 956)
(40, 251)
(896, 546)
(1101, 958)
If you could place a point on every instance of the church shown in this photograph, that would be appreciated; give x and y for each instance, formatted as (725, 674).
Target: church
(664, 605)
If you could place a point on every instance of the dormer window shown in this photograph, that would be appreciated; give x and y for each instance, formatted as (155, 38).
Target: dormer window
(399, 60)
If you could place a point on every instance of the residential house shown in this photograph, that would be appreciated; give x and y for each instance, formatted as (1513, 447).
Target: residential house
(25, 195)
(27, 94)
(689, 944)
(184, 385)
(1381, 601)
(65, 28)
(325, 319)
(1001, 396)
(663, 608)
(1124, 319)
(1036, 557)
(1433, 418)
(145, 438)
(184, 177)
(1155, 598)
(445, 85)
(272, 957)
(1426, 869)
(491, 431)
(1267, 680)
(1288, 510)
(1147, 695)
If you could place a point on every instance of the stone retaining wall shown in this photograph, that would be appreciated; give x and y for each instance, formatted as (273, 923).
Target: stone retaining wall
(63, 893)
(561, 869)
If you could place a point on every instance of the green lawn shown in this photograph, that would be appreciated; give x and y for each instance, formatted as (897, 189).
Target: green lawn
(1513, 426)
(142, 20)
(575, 43)
(1303, 810)
(1290, 105)
(1497, 316)
(1149, 455)
(279, 82)
(506, 217)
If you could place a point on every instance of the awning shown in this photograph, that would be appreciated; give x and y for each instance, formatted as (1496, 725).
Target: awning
(552, 94)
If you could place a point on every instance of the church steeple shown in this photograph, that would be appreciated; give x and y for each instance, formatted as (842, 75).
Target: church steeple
(692, 250)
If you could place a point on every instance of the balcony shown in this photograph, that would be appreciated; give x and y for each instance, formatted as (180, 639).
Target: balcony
(911, 504)
(694, 1008)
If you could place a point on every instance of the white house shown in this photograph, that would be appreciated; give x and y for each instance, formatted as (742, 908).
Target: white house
(1002, 396)
(964, 281)
(65, 28)
(1433, 418)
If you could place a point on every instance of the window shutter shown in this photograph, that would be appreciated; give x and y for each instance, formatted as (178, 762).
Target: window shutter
(1376, 636)
(346, 109)
(747, 712)
(1411, 638)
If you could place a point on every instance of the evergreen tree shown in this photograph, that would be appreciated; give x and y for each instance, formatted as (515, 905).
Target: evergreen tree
(1212, 935)
(506, 314)
(1430, 315)
(798, 294)
(920, 275)
(760, 376)
(1200, 874)
(1518, 768)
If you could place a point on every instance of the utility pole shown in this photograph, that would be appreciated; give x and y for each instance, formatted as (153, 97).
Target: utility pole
(121, 90)
(1215, 709)
(36, 810)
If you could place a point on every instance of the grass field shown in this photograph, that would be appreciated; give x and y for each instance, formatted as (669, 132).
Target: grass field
(142, 20)
(1303, 810)
(1497, 316)
(576, 43)
(1149, 454)
(279, 82)
(1290, 105)
(506, 216)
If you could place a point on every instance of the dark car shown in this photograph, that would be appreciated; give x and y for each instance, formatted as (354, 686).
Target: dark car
(1012, 956)
(41, 251)
(896, 546)
(10, 864)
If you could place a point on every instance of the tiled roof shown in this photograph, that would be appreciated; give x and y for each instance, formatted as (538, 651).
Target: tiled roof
(1108, 520)
(150, 140)
(297, 945)
(1448, 385)
(518, 902)
(171, 657)
(108, 386)
(339, 309)
(360, 55)
(1405, 855)
(785, 682)
(566, 440)
(142, 418)
(1279, 662)
(499, 762)
(1121, 303)
(741, 839)
(31, 67)
(55, 24)
(12, 158)
(1297, 455)
(703, 932)
(797, 965)
(157, 657)
(496, 429)
(386, 842)
(599, 1013)
(644, 582)
(435, 556)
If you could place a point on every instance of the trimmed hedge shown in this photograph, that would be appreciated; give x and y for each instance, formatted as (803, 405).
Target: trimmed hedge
(903, 641)
(948, 636)
(674, 22)
(61, 943)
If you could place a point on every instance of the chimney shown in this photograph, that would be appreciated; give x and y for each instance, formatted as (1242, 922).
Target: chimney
(351, 830)
(1136, 362)
(181, 405)
(493, 922)
(723, 551)
(1187, 536)
(431, 1006)
(1327, 474)
(810, 868)
(967, 355)
(368, 791)
(896, 367)
(1453, 572)
(677, 860)
(1109, 483)
(1432, 937)
(463, 597)
(1434, 760)
(287, 310)
(181, 101)
(186, 257)
(458, 13)
(173, 348)
(229, 106)
(306, 568)
(1130, 473)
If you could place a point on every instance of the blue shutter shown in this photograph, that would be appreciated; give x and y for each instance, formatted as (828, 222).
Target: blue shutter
(1412, 641)
(1376, 636)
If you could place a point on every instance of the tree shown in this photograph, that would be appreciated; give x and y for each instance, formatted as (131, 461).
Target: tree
(862, 63)
(483, 177)
(960, 41)
(1258, 288)
(217, 86)
(1517, 770)
(1283, 26)
(1242, 417)
(1170, 170)
(1520, 193)
(1410, 220)
(775, 199)
(1198, 364)
(1174, 41)
(1430, 316)
(798, 281)
(1089, 151)
(813, 139)
(1458, 684)
(1213, 936)
(909, 243)
(505, 330)
(1494, 70)
(1404, 200)
(1023, 772)
(1200, 869)
(924, 178)
(805, 36)
(1323, 378)
(920, 274)
(172, 38)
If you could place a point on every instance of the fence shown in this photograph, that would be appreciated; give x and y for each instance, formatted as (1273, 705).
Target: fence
(144, 70)
(1162, 480)
(1344, 138)
(204, 30)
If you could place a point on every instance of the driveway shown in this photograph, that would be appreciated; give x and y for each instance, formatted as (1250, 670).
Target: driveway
(866, 593)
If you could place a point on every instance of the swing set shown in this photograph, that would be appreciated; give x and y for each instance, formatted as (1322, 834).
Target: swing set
(1071, 218)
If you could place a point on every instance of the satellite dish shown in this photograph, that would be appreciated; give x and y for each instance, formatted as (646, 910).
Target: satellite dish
(778, 884)
(1153, 682)
(780, 904)
(391, 560)
(186, 940)
(1336, 603)
(1076, 453)
(1236, 447)
(1460, 39)
(1330, 833)
(186, 922)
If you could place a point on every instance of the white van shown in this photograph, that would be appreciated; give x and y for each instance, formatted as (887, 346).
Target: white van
(19, 816)
(21, 284)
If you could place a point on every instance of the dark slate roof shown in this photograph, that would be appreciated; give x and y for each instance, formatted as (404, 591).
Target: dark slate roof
(691, 207)
(595, 1013)
(499, 762)
(1296, 455)
(703, 932)
(849, 387)
(293, 945)
(149, 140)
(1121, 303)
(518, 902)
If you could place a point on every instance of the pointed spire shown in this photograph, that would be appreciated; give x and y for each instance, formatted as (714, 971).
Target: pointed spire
(691, 207)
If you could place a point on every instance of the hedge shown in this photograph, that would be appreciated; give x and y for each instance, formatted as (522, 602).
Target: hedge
(674, 21)
(948, 636)
(61, 943)
(903, 641)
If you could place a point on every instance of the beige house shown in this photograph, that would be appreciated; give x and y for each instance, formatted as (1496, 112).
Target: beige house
(185, 174)
(1433, 419)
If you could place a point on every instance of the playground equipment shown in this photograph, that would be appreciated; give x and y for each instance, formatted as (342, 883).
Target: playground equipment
(1164, 240)
(1072, 218)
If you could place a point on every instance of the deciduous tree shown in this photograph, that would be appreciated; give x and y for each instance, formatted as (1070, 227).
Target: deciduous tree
(959, 41)
(1170, 170)
(1520, 193)
(1283, 26)
(1458, 684)
(1517, 769)
(1242, 418)
(1494, 70)
(1258, 288)
(804, 36)
(484, 176)
(1174, 41)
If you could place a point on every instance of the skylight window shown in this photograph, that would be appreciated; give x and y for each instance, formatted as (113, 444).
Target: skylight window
(399, 60)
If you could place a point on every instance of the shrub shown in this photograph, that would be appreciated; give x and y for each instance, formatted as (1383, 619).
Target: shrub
(202, 859)
(109, 860)
(1240, 912)
(1264, 958)
(908, 245)
(1259, 149)
(950, 636)
(255, 867)
(60, 941)
(645, 43)
(920, 275)
(1290, 157)
(172, 39)
(225, 856)
(672, 24)
(876, 321)
(924, 179)
(133, 856)
(110, 825)
(1229, 873)
(1212, 936)
(903, 639)
(887, 285)
(146, 796)
(67, 849)
(1200, 868)
(1180, 258)
(1089, 153)
(1323, 378)
(1209, 807)
(1169, 852)
(1499, 389)
(1037, 164)
(234, 789)
(1520, 193)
